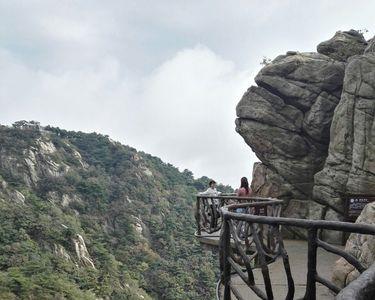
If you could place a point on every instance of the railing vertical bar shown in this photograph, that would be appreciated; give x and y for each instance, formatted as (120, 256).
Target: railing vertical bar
(288, 272)
(270, 246)
(263, 263)
(198, 216)
(246, 259)
(213, 216)
(226, 266)
(311, 264)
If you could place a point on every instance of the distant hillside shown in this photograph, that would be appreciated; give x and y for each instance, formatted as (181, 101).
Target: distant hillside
(84, 217)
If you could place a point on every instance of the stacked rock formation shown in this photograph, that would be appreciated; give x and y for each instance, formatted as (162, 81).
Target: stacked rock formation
(310, 121)
(350, 165)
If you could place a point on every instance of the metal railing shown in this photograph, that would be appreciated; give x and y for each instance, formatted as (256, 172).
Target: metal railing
(208, 216)
(268, 246)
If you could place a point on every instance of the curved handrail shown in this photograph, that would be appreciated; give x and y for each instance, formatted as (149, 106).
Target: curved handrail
(304, 223)
(235, 197)
(263, 254)
(207, 214)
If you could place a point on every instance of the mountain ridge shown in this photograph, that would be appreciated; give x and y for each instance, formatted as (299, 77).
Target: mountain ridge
(84, 217)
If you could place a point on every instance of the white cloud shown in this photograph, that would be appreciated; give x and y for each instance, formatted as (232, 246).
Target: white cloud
(189, 112)
(183, 111)
(81, 99)
(162, 76)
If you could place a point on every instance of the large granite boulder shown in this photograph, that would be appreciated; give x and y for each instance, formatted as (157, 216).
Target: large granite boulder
(350, 165)
(360, 246)
(267, 183)
(310, 120)
(287, 117)
(343, 45)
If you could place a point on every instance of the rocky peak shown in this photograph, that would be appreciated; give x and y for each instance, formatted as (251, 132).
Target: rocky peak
(343, 45)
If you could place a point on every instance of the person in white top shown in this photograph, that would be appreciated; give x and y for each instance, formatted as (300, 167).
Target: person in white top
(211, 191)
(215, 203)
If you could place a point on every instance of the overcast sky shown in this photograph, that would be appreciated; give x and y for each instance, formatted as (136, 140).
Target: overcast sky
(161, 76)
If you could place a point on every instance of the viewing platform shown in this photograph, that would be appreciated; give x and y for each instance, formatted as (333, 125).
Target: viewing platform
(257, 263)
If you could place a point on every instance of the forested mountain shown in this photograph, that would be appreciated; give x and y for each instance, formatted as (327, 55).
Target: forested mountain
(84, 217)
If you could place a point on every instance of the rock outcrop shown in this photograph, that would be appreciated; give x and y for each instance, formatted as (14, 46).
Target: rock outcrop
(82, 253)
(38, 161)
(311, 122)
(61, 252)
(360, 246)
(286, 120)
(343, 45)
(350, 165)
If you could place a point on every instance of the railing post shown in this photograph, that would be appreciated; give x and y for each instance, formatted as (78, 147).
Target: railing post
(225, 252)
(311, 265)
(198, 215)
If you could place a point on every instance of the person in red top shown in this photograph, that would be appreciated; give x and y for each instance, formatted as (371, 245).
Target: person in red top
(244, 190)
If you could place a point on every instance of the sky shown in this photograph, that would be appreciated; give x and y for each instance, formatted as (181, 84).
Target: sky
(161, 76)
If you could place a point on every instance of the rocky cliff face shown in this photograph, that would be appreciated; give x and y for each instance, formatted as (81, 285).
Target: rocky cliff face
(311, 122)
(350, 165)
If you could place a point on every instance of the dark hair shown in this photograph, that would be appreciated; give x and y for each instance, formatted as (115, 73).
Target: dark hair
(211, 182)
(245, 184)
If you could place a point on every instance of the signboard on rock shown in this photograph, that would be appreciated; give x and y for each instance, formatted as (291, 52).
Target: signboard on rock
(355, 205)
